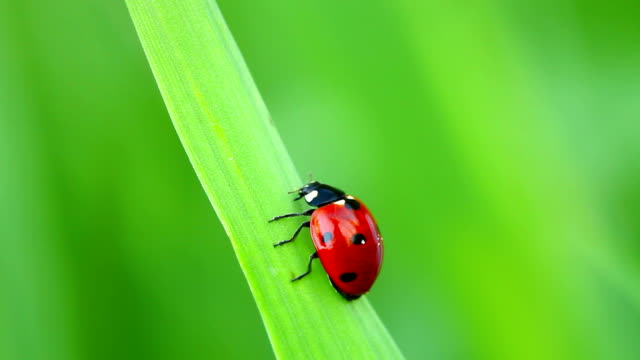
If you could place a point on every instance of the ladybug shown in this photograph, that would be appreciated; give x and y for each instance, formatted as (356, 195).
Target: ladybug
(345, 235)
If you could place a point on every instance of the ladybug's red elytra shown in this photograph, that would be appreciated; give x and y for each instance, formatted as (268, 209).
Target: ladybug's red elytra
(345, 235)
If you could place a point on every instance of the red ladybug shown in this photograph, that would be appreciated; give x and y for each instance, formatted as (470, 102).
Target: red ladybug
(345, 235)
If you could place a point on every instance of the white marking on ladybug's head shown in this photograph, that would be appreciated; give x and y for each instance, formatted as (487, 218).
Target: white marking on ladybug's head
(310, 196)
(349, 197)
(339, 202)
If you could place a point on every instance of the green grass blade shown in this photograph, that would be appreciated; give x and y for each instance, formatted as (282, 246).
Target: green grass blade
(246, 171)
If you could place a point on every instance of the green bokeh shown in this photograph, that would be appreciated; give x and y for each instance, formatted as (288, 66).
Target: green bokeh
(498, 145)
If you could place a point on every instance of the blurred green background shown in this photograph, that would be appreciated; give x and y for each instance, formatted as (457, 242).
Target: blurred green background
(497, 143)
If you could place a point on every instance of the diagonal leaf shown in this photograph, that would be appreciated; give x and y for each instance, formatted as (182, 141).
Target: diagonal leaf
(245, 170)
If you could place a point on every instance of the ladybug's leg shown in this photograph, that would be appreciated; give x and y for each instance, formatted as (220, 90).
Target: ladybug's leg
(313, 256)
(306, 213)
(295, 234)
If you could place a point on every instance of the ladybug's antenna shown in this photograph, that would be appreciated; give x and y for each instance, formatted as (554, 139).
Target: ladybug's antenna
(295, 191)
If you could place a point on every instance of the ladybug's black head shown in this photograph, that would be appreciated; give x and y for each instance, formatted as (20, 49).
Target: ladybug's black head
(317, 194)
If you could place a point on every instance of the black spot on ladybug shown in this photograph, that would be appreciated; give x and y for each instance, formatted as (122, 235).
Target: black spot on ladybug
(348, 277)
(358, 239)
(352, 204)
(327, 237)
(348, 297)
